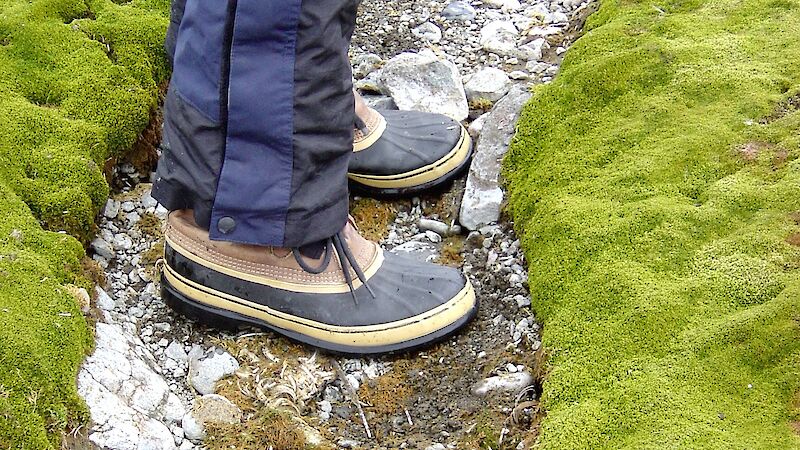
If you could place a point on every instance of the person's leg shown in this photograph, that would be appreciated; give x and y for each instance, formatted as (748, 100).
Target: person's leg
(396, 153)
(259, 119)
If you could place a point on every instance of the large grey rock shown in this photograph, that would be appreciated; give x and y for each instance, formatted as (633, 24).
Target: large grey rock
(206, 369)
(130, 404)
(206, 410)
(483, 195)
(487, 84)
(423, 82)
(499, 37)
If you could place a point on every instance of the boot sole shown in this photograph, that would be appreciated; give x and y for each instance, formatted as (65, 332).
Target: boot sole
(228, 319)
(421, 180)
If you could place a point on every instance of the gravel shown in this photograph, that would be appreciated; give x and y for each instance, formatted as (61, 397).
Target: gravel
(438, 410)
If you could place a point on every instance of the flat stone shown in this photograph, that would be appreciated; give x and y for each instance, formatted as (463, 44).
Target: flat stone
(210, 367)
(487, 84)
(127, 399)
(209, 409)
(423, 82)
(483, 195)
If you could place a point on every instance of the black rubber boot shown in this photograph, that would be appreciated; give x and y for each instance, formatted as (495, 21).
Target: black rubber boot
(406, 152)
(349, 298)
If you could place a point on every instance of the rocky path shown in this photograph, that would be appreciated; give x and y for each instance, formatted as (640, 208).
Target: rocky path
(157, 380)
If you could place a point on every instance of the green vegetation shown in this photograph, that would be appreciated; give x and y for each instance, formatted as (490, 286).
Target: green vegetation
(78, 80)
(656, 184)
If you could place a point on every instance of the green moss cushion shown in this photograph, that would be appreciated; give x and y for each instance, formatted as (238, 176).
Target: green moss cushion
(78, 81)
(657, 187)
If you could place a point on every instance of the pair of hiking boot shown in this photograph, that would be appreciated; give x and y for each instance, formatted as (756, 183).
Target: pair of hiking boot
(344, 294)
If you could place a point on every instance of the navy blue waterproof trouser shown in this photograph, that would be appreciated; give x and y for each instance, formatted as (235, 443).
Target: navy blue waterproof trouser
(259, 118)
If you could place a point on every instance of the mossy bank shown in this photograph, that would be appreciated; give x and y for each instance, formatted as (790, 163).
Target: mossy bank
(657, 187)
(78, 82)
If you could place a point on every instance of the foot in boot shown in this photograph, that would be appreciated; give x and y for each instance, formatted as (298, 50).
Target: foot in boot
(405, 152)
(345, 296)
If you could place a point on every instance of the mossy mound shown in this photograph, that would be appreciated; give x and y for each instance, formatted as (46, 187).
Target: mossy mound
(656, 184)
(78, 81)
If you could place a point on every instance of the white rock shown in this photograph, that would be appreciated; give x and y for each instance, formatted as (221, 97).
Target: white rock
(428, 31)
(212, 366)
(125, 396)
(104, 301)
(499, 37)
(557, 17)
(536, 66)
(488, 84)
(148, 201)
(122, 242)
(175, 351)
(522, 301)
(436, 226)
(508, 382)
(436, 446)
(103, 248)
(192, 429)
(161, 212)
(433, 236)
(112, 209)
(173, 409)
(505, 5)
(477, 125)
(532, 51)
(423, 82)
(483, 195)
(458, 10)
